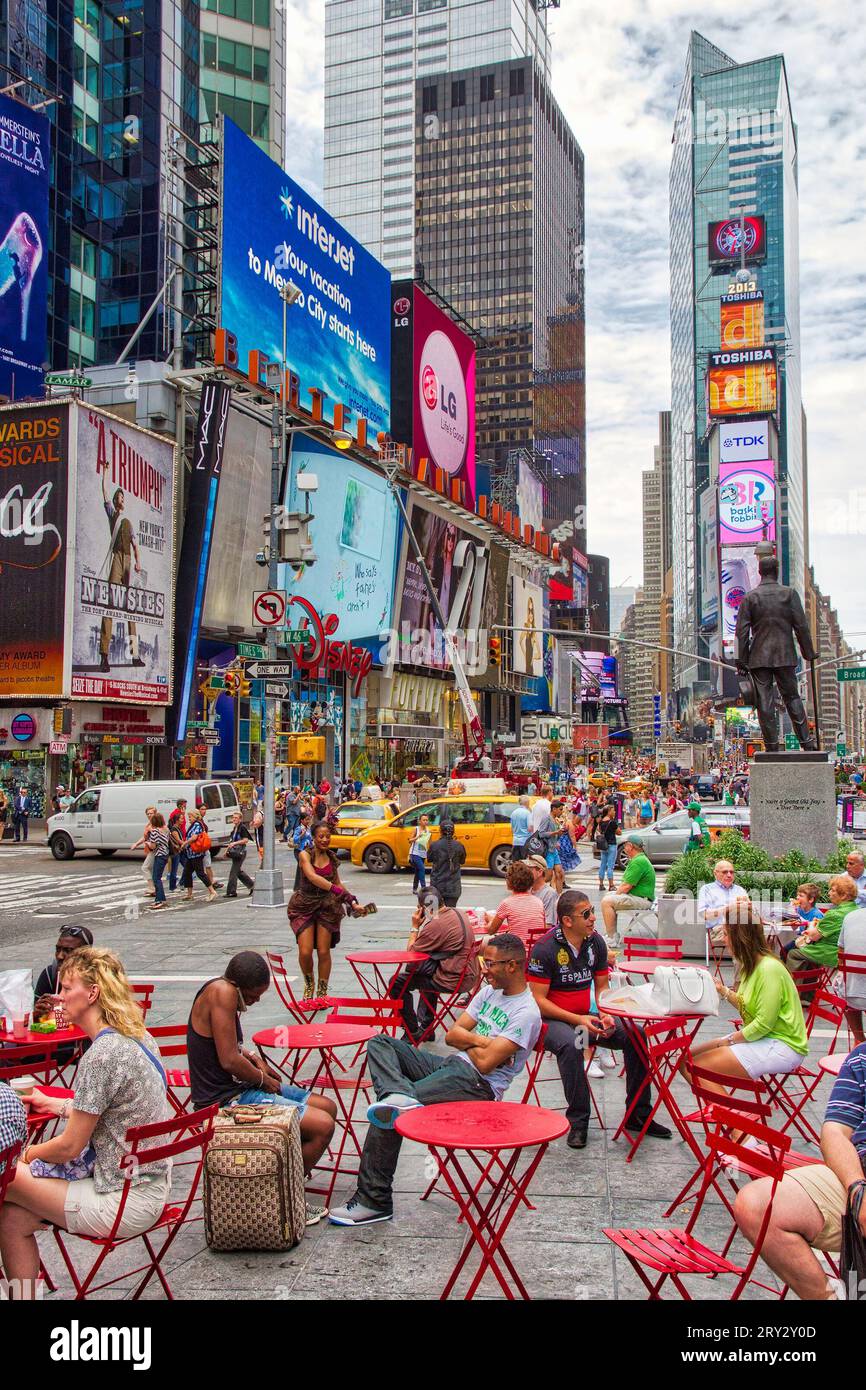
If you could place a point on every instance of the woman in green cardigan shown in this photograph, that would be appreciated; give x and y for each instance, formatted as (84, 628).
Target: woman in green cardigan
(819, 943)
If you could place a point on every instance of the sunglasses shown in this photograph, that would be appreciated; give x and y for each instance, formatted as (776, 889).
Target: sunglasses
(80, 932)
(589, 912)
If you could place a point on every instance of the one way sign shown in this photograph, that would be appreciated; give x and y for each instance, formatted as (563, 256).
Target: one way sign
(277, 692)
(264, 670)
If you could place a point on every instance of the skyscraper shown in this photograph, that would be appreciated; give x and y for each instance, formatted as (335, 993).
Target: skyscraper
(374, 52)
(243, 69)
(734, 154)
(499, 196)
(123, 76)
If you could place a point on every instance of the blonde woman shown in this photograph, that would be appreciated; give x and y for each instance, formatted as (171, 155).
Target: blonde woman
(141, 843)
(120, 1083)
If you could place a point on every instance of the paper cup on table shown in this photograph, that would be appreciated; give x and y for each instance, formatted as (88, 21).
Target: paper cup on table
(20, 1026)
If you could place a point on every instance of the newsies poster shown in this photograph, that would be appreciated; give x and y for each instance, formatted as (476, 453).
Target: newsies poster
(123, 564)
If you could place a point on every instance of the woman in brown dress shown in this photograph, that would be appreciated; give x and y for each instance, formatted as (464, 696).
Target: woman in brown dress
(316, 910)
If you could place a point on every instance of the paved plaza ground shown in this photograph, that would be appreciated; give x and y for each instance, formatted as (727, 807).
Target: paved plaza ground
(558, 1248)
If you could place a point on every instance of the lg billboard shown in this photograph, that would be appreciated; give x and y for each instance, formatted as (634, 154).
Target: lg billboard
(274, 233)
(433, 385)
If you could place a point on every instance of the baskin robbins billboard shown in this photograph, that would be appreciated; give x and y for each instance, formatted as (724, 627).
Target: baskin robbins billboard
(747, 502)
(338, 330)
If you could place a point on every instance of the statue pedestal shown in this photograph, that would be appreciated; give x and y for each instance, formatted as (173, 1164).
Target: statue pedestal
(792, 803)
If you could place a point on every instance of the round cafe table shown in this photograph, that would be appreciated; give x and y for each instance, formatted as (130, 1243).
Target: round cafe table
(323, 1041)
(661, 1042)
(642, 966)
(51, 1041)
(376, 985)
(505, 1143)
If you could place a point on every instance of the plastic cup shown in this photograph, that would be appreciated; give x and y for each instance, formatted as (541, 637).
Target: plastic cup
(19, 1027)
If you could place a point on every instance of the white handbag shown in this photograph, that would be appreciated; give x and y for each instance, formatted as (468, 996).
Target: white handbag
(683, 989)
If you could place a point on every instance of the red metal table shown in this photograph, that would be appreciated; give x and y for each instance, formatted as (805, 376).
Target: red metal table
(832, 1065)
(378, 986)
(21, 1052)
(644, 965)
(506, 1133)
(48, 1040)
(304, 1039)
(671, 1039)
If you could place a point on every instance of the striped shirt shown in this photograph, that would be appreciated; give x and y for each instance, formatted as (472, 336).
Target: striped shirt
(157, 839)
(13, 1118)
(847, 1104)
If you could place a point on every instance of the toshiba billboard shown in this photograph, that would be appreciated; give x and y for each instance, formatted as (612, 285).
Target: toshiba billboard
(433, 385)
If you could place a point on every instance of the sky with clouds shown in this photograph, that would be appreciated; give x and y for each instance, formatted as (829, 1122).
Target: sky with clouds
(617, 81)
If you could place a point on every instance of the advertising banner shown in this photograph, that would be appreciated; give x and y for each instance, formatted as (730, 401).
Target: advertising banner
(354, 535)
(725, 241)
(545, 691)
(739, 570)
(34, 471)
(530, 497)
(527, 627)
(444, 414)
(123, 610)
(339, 331)
(746, 441)
(598, 679)
(740, 386)
(457, 562)
(25, 174)
(709, 522)
(742, 320)
(747, 502)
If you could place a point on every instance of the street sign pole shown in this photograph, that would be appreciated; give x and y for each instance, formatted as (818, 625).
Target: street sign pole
(268, 883)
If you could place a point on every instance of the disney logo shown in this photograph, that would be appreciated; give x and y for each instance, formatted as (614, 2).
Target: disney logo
(322, 651)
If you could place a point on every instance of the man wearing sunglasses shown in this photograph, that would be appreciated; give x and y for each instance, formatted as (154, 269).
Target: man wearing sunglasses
(563, 968)
(715, 898)
(69, 940)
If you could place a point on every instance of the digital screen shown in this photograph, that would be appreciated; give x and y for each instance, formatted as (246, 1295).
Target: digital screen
(725, 240)
(747, 502)
(748, 440)
(741, 387)
(444, 392)
(742, 322)
(25, 175)
(339, 330)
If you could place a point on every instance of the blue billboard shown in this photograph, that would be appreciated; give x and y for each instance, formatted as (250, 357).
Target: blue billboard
(354, 533)
(25, 175)
(339, 330)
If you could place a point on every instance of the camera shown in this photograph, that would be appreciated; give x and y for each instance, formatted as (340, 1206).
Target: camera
(262, 557)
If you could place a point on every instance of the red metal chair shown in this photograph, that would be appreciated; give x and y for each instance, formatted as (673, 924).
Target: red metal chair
(449, 1007)
(8, 1159)
(853, 970)
(386, 1014)
(534, 1064)
(674, 1253)
(184, 1135)
(792, 1092)
(143, 997)
(300, 1010)
(171, 1040)
(650, 948)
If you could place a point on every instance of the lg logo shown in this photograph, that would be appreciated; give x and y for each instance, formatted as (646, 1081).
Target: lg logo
(429, 387)
(444, 403)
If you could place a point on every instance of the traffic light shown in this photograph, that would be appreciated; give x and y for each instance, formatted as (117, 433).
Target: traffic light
(244, 688)
(494, 651)
(232, 683)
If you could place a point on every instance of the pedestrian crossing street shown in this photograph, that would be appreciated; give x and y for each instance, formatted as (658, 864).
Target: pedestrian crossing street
(74, 895)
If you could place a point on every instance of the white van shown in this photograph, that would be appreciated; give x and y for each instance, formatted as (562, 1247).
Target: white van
(112, 816)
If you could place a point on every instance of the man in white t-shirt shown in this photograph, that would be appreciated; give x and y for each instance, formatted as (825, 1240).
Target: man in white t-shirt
(541, 809)
(491, 1039)
(715, 898)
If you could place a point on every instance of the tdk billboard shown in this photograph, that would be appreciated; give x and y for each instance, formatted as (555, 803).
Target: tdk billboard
(338, 330)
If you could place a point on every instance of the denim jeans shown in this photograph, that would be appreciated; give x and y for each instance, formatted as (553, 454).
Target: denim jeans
(287, 1095)
(176, 864)
(416, 977)
(159, 863)
(607, 863)
(398, 1067)
(417, 863)
(559, 1040)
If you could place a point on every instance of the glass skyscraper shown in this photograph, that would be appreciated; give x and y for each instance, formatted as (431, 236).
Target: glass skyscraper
(243, 69)
(374, 52)
(735, 151)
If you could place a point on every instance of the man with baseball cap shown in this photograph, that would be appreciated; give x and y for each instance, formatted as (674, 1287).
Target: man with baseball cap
(541, 888)
(637, 890)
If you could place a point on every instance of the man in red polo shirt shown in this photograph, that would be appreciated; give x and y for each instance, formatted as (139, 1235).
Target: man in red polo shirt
(562, 968)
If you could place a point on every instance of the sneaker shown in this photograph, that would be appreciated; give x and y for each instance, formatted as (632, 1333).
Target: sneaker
(354, 1213)
(595, 1071)
(384, 1112)
(608, 1059)
(315, 1214)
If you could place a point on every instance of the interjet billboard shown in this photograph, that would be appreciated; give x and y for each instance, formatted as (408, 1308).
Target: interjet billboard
(744, 441)
(444, 412)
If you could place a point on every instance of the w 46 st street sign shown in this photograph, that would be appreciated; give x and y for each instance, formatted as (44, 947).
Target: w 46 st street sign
(851, 673)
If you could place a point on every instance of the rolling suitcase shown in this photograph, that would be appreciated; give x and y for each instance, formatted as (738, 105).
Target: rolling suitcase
(254, 1179)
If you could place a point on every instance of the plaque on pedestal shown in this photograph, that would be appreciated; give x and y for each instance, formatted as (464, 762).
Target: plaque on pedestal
(792, 803)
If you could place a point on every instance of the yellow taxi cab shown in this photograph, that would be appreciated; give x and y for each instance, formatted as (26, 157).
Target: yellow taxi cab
(634, 786)
(602, 781)
(482, 823)
(354, 817)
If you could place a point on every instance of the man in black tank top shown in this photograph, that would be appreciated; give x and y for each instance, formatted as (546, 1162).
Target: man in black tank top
(223, 1072)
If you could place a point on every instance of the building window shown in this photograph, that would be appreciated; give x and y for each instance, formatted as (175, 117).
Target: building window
(488, 86)
(252, 11)
(396, 9)
(516, 79)
(429, 99)
(424, 5)
(458, 92)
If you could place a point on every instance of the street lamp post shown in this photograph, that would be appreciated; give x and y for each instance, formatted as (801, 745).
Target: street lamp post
(268, 883)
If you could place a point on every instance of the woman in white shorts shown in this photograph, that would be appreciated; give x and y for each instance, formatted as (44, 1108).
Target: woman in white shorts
(120, 1083)
(771, 1041)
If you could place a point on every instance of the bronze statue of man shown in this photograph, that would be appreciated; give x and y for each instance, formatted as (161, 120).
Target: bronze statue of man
(767, 620)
